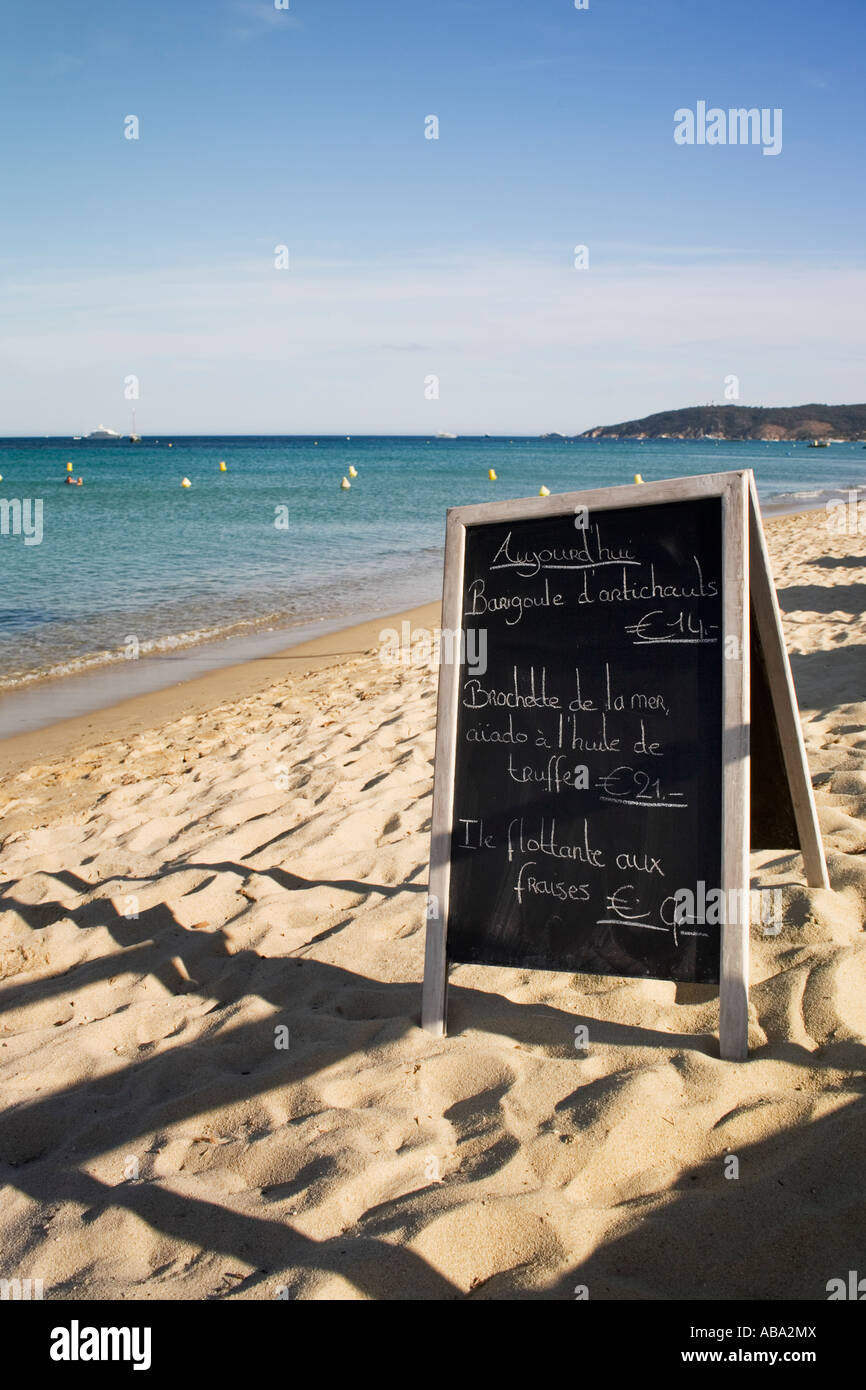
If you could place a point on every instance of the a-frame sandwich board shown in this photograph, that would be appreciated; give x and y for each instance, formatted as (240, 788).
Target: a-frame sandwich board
(781, 813)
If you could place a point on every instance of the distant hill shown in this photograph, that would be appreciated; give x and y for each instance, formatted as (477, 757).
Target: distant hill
(742, 422)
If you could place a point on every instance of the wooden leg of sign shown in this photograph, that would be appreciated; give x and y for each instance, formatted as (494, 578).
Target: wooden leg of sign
(734, 988)
(769, 625)
(734, 975)
(434, 995)
(435, 991)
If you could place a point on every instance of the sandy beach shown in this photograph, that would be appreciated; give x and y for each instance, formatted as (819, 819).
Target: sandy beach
(215, 1083)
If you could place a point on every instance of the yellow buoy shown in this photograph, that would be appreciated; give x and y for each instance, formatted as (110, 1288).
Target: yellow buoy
(184, 482)
(69, 466)
(638, 478)
(491, 473)
(353, 472)
(345, 484)
(544, 491)
(222, 468)
(171, 446)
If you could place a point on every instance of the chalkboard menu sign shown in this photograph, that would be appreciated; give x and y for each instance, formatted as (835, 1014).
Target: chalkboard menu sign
(588, 785)
(591, 787)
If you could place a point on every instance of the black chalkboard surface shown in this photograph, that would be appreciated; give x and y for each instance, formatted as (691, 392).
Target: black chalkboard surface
(588, 783)
(591, 798)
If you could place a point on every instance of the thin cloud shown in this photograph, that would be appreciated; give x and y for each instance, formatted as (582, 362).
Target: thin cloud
(520, 344)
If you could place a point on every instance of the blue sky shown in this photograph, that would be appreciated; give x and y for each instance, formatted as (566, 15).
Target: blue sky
(412, 257)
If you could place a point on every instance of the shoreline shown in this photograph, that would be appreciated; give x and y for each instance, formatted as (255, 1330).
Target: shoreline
(197, 694)
(32, 704)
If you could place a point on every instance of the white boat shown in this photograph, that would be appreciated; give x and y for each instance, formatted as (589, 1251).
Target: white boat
(103, 433)
(446, 436)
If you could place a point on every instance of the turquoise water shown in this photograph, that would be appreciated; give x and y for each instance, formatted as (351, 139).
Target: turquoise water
(132, 555)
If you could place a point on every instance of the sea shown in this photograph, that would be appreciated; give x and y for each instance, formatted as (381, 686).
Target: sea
(138, 582)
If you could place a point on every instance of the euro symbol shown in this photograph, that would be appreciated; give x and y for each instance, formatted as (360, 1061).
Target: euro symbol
(628, 911)
(638, 628)
(608, 783)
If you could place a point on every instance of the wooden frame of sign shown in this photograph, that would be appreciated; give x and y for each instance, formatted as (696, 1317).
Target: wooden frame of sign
(756, 656)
